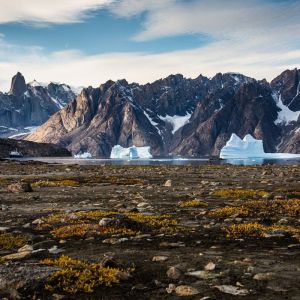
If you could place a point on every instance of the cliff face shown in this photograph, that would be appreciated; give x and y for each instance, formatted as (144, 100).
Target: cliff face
(28, 105)
(178, 116)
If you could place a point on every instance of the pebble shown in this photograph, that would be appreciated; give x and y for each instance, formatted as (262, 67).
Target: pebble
(19, 187)
(186, 290)
(232, 290)
(203, 274)
(171, 288)
(26, 248)
(16, 256)
(263, 276)
(55, 250)
(174, 273)
(160, 258)
(168, 183)
(210, 266)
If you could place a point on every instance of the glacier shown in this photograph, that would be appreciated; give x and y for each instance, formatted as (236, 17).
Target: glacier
(249, 147)
(118, 152)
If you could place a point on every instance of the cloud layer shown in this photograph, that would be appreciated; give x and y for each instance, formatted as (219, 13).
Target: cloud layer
(259, 38)
(39, 12)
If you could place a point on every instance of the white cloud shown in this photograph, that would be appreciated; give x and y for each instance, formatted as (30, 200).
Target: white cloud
(258, 38)
(75, 68)
(45, 11)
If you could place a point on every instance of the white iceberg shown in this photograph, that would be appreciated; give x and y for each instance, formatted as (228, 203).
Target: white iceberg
(249, 147)
(118, 152)
(84, 155)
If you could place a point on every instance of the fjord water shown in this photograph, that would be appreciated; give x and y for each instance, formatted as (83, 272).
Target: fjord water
(165, 161)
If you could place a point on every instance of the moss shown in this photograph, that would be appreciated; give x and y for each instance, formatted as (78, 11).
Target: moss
(240, 193)
(255, 230)
(228, 211)
(80, 230)
(192, 203)
(55, 183)
(78, 276)
(9, 241)
(87, 223)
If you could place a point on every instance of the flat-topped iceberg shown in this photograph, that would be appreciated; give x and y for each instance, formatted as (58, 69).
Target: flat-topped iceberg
(249, 147)
(118, 152)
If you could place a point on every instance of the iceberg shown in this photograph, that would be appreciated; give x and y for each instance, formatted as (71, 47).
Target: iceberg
(118, 152)
(84, 155)
(249, 147)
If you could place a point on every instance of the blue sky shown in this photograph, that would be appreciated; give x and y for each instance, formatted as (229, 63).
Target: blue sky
(86, 42)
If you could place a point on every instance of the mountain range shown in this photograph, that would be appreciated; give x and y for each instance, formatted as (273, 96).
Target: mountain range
(174, 115)
(27, 106)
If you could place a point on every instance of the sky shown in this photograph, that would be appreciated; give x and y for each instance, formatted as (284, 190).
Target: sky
(87, 42)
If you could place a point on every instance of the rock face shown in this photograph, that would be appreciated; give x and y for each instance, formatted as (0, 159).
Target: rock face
(179, 116)
(31, 149)
(28, 105)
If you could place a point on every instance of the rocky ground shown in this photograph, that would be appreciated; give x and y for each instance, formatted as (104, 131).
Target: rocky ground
(149, 232)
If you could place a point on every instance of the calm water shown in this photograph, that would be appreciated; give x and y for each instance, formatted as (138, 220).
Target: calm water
(166, 161)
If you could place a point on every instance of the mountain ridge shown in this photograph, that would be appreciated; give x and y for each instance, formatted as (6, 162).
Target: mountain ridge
(118, 112)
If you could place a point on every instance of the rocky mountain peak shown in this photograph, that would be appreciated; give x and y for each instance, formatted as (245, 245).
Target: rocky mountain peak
(18, 85)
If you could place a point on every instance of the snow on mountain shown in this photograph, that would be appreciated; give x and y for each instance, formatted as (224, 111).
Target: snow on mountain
(285, 115)
(176, 121)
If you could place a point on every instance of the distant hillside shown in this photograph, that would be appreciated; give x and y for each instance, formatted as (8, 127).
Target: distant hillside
(31, 149)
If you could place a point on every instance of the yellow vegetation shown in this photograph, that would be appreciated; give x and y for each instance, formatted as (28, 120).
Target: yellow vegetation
(10, 241)
(240, 193)
(266, 208)
(86, 223)
(80, 230)
(55, 183)
(77, 276)
(255, 230)
(192, 203)
(228, 211)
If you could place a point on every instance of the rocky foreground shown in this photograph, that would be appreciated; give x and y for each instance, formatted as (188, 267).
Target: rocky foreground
(149, 232)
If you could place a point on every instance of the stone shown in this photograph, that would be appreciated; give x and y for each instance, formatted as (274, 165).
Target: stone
(37, 222)
(263, 276)
(26, 248)
(186, 290)
(232, 290)
(203, 274)
(17, 256)
(210, 266)
(105, 222)
(159, 258)
(171, 288)
(174, 273)
(55, 250)
(168, 183)
(19, 187)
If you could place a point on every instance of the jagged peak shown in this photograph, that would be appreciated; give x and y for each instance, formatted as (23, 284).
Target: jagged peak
(18, 85)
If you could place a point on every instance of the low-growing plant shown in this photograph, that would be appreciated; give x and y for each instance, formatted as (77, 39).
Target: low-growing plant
(228, 211)
(78, 276)
(87, 223)
(192, 203)
(55, 183)
(256, 230)
(11, 241)
(240, 193)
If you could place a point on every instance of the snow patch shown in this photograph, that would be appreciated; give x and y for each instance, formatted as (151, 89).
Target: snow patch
(118, 152)
(249, 147)
(285, 115)
(176, 121)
